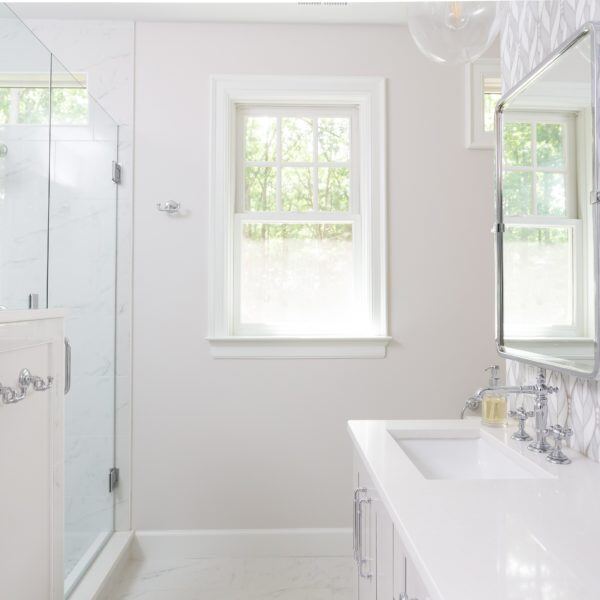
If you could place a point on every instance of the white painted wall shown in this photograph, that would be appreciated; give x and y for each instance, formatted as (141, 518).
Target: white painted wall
(247, 443)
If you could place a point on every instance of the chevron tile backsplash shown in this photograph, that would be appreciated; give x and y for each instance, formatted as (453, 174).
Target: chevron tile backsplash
(530, 30)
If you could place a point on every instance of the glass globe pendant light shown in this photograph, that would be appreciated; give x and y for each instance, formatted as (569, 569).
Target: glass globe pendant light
(453, 32)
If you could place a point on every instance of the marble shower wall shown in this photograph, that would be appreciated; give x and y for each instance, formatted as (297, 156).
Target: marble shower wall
(104, 50)
(530, 31)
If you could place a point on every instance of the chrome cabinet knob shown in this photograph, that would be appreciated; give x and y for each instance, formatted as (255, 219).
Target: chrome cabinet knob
(560, 434)
(170, 207)
(521, 415)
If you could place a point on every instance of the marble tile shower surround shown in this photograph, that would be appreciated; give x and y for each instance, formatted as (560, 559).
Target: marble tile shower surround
(530, 31)
(104, 50)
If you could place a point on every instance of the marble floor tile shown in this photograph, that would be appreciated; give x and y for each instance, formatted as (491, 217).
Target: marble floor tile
(315, 578)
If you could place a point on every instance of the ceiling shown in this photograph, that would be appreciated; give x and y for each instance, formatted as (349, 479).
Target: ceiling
(242, 12)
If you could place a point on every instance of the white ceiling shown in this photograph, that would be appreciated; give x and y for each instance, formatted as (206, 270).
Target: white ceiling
(242, 12)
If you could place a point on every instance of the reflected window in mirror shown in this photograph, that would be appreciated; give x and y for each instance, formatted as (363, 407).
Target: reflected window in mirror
(544, 233)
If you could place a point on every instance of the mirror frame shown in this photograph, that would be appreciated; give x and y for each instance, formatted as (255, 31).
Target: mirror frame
(539, 360)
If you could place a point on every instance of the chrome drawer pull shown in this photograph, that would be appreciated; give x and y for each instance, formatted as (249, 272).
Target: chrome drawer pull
(67, 365)
(362, 560)
(355, 524)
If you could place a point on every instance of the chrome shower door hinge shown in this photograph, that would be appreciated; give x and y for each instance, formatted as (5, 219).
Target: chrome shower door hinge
(113, 479)
(116, 172)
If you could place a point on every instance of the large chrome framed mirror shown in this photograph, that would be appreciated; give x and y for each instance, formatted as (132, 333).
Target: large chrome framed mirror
(547, 234)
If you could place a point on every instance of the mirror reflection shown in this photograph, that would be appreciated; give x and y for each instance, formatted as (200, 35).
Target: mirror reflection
(547, 178)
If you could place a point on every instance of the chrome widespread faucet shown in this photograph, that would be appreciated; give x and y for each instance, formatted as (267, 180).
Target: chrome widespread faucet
(540, 390)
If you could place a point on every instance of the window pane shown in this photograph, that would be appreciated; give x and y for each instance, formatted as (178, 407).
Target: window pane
(261, 138)
(69, 106)
(334, 188)
(296, 189)
(260, 188)
(297, 139)
(34, 106)
(334, 139)
(517, 193)
(4, 105)
(517, 144)
(489, 106)
(297, 276)
(551, 194)
(550, 152)
(538, 277)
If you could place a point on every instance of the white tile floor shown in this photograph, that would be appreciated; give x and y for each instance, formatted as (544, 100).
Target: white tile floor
(321, 578)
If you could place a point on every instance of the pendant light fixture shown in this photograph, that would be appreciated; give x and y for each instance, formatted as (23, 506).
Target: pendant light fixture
(453, 32)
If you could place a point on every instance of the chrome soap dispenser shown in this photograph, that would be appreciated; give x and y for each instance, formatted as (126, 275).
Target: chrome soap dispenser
(494, 405)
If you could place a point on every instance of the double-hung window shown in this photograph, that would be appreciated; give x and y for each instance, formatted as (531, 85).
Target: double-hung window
(298, 218)
(543, 226)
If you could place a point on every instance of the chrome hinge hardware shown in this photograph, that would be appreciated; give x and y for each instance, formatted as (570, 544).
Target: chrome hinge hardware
(113, 479)
(594, 197)
(116, 172)
(498, 228)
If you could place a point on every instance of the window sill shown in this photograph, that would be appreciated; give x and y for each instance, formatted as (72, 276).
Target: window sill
(299, 347)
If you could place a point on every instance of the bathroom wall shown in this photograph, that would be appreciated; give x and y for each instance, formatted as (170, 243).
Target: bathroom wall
(529, 32)
(104, 50)
(263, 443)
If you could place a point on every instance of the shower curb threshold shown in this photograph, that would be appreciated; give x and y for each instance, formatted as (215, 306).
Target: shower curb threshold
(96, 584)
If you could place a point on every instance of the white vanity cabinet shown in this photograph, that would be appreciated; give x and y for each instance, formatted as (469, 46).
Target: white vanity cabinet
(384, 571)
(31, 456)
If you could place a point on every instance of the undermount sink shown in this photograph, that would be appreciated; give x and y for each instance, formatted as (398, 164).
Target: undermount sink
(466, 455)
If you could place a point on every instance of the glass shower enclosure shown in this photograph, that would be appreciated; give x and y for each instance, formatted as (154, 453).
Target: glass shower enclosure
(58, 248)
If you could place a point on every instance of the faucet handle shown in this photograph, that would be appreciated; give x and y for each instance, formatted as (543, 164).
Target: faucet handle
(559, 433)
(521, 415)
(494, 378)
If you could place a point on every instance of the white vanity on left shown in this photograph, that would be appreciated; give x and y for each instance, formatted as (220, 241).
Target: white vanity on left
(31, 453)
(452, 510)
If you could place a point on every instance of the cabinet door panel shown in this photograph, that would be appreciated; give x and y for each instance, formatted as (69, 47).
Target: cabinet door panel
(385, 553)
(399, 567)
(367, 536)
(415, 589)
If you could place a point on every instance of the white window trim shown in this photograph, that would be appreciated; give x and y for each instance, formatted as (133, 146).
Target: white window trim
(476, 136)
(228, 92)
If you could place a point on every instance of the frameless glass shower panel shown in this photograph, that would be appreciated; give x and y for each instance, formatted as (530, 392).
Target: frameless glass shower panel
(24, 162)
(82, 270)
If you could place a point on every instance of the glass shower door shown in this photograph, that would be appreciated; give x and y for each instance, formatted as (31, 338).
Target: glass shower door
(82, 278)
(24, 160)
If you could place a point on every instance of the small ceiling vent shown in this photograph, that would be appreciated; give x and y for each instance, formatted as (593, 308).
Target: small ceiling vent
(322, 4)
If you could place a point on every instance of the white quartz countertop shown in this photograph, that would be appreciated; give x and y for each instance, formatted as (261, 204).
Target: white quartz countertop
(494, 539)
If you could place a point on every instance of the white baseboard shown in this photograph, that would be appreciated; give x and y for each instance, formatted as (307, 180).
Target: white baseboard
(97, 582)
(205, 543)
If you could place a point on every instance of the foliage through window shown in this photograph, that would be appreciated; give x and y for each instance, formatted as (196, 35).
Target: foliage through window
(26, 100)
(298, 222)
